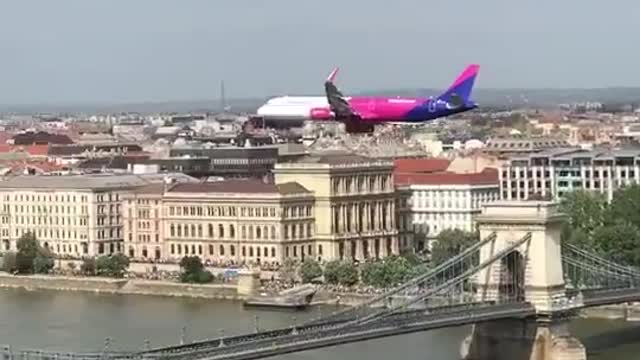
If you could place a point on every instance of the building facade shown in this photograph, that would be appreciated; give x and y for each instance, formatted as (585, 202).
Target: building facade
(444, 200)
(555, 172)
(223, 222)
(78, 215)
(354, 203)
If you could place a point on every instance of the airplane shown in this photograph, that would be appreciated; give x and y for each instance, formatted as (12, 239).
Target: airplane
(361, 113)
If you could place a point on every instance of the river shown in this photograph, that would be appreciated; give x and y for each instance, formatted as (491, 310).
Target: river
(81, 322)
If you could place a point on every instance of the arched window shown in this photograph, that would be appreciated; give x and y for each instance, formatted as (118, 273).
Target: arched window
(258, 232)
(250, 231)
(273, 232)
(265, 232)
(273, 252)
(179, 231)
(221, 250)
(232, 250)
(132, 252)
(172, 230)
(199, 230)
(158, 253)
(210, 249)
(210, 230)
(250, 251)
(220, 230)
(193, 230)
(144, 252)
(232, 231)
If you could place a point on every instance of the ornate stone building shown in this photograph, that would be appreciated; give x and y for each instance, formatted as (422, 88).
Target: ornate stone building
(355, 203)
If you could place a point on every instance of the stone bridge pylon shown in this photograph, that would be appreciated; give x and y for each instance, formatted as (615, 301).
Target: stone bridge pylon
(532, 273)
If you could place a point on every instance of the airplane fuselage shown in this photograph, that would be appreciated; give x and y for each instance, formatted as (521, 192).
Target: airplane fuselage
(372, 109)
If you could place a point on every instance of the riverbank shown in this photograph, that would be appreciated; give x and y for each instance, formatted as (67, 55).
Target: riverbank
(120, 286)
(229, 292)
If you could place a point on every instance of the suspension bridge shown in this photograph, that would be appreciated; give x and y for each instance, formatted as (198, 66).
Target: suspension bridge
(519, 270)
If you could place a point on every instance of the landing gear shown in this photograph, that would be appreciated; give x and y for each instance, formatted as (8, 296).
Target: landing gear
(356, 126)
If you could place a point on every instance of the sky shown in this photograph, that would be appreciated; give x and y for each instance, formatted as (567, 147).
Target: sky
(124, 51)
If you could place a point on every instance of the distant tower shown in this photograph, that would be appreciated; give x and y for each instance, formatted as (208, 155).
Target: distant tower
(223, 100)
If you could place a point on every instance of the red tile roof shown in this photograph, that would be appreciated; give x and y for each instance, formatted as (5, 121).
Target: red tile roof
(34, 150)
(488, 176)
(421, 165)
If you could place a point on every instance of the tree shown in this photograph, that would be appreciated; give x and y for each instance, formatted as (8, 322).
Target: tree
(9, 262)
(619, 242)
(625, 206)
(331, 270)
(193, 271)
(341, 272)
(31, 257)
(386, 273)
(310, 270)
(451, 242)
(112, 265)
(586, 211)
(88, 267)
(42, 264)
(27, 252)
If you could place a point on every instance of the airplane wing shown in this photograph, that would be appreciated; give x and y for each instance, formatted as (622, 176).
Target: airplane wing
(337, 102)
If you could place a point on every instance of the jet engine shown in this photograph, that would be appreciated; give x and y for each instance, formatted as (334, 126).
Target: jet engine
(321, 114)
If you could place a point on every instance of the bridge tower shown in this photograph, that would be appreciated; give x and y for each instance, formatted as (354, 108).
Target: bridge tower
(534, 273)
(537, 262)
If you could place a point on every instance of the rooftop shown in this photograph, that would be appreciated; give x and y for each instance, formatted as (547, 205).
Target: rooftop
(65, 182)
(421, 165)
(249, 186)
(488, 176)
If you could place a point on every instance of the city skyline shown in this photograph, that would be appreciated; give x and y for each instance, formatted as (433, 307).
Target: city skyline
(120, 52)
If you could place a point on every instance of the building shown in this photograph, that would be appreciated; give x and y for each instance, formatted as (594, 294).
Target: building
(522, 145)
(354, 203)
(224, 222)
(433, 199)
(232, 161)
(71, 215)
(555, 172)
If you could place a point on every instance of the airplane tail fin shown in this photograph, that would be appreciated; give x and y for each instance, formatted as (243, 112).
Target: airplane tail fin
(333, 75)
(460, 90)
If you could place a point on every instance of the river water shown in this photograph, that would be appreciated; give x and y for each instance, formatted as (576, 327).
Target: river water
(81, 322)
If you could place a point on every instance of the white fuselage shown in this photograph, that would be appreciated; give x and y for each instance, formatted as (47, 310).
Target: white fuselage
(291, 107)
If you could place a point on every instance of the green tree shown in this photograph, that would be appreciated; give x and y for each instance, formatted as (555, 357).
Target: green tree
(625, 206)
(331, 270)
(43, 264)
(412, 258)
(341, 272)
(619, 242)
(586, 211)
(193, 271)
(27, 251)
(451, 242)
(31, 257)
(88, 266)
(9, 262)
(386, 273)
(310, 270)
(112, 265)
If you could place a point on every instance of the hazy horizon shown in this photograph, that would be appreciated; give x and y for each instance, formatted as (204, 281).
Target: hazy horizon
(155, 51)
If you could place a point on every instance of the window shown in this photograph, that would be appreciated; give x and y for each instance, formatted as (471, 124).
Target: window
(221, 250)
(220, 230)
(210, 249)
(232, 250)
